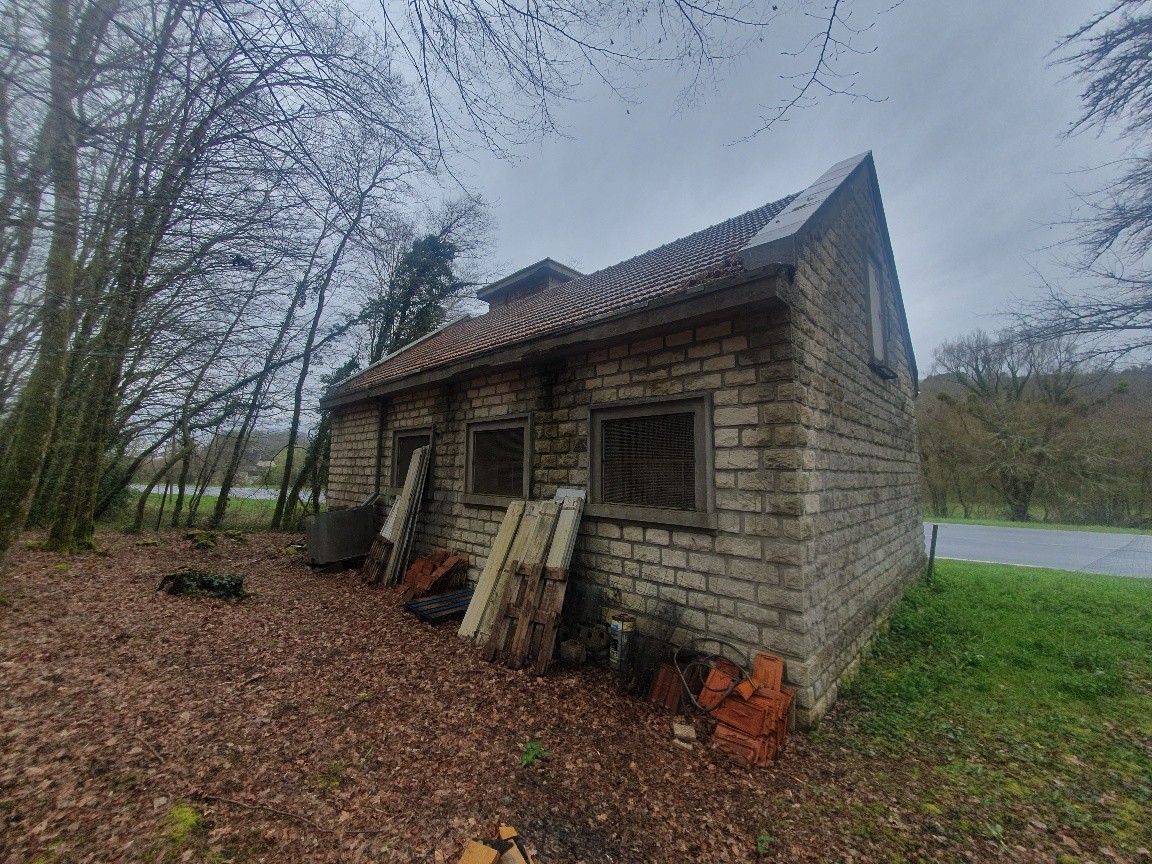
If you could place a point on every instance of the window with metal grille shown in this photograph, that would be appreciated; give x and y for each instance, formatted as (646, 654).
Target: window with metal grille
(649, 461)
(497, 460)
(652, 457)
(404, 444)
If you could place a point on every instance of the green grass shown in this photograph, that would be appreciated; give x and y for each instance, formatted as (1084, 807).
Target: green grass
(1053, 526)
(246, 513)
(1026, 692)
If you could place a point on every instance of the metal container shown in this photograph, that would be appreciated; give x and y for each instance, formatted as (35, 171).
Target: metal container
(338, 535)
(619, 633)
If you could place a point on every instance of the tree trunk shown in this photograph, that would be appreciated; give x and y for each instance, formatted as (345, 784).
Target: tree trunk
(35, 410)
(142, 501)
(1018, 494)
(314, 462)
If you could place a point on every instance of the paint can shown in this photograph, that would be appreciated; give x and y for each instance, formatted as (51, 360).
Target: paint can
(619, 633)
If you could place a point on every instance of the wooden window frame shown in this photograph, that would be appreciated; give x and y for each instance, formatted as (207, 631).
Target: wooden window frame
(700, 405)
(398, 470)
(517, 421)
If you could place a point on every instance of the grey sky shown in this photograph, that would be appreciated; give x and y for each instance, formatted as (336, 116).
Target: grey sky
(968, 146)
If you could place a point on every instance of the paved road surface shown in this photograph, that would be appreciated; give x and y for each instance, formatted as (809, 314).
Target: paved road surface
(1084, 551)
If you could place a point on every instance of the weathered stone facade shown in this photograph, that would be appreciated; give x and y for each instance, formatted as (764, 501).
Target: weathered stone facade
(815, 525)
(862, 509)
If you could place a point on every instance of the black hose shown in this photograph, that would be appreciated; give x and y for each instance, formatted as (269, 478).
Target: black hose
(706, 661)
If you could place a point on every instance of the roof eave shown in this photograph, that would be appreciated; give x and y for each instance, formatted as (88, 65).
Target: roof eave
(779, 241)
(656, 313)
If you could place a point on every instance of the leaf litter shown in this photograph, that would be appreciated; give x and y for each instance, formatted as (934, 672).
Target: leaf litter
(314, 721)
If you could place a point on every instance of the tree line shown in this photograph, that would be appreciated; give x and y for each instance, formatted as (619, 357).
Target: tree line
(1035, 421)
(209, 209)
(202, 203)
(1024, 430)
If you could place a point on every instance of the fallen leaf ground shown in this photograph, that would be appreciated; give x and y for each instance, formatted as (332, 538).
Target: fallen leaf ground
(316, 722)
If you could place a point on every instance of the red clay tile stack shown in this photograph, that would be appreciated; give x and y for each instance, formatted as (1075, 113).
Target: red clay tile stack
(443, 570)
(665, 690)
(508, 849)
(752, 720)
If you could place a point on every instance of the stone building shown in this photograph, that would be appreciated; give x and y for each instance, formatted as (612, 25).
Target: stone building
(738, 405)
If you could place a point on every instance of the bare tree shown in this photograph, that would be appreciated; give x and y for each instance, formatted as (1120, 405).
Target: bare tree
(71, 41)
(1020, 423)
(198, 113)
(1110, 56)
(496, 71)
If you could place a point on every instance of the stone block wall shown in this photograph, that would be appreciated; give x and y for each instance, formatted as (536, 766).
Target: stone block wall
(742, 580)
(352, 466)
(862, 505)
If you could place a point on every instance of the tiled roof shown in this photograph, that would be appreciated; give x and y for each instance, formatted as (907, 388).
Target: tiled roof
(661, 272)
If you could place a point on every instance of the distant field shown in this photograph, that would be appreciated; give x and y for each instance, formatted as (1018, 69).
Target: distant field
(243, 512)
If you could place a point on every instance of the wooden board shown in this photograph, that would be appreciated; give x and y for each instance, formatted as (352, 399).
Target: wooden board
(497, 557)
(546, 621)
(529, 547)
(388, 529)
(564, 537)
(524, 632)
(542, 628)
(520, 578)
(407, 506)
(377, 560)
(404, 537)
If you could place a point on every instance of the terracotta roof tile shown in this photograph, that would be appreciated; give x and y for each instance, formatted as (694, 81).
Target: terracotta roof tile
(660, 272)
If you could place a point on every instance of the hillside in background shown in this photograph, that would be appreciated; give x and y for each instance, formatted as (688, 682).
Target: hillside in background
(1079, 454)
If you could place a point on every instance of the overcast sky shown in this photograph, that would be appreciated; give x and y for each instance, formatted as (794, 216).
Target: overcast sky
(972, 164)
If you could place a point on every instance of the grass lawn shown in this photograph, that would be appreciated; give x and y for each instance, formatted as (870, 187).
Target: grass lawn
(1025, 695)
(1051, 526)
(253, 514)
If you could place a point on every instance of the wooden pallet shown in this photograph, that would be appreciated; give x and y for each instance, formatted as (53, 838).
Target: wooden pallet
(443, 607)
(408, 508)
(529, 546)
(377, 561)
(524, 633)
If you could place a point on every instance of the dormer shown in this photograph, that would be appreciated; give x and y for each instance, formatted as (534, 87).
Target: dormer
(533, 278)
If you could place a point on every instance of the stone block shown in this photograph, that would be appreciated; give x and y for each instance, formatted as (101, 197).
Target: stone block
(744, 416)
(725, 587)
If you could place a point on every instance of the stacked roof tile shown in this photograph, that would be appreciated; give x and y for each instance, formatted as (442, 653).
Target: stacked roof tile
(667, 270)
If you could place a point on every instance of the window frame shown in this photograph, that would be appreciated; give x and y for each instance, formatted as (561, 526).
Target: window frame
(877, 312)
(700, 405)
(397, 434)
(516, 421)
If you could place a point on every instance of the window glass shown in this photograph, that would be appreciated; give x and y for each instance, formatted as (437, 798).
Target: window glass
(876, 310)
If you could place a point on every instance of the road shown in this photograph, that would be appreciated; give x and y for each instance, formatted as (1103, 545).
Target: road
(1083, 551)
